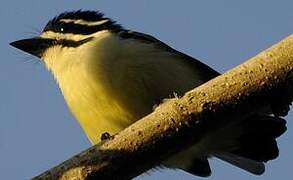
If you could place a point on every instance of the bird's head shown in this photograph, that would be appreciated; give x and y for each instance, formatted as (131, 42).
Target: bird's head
(66, 33)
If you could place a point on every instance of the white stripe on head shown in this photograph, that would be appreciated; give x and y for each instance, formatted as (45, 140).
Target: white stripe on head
(71, 36)
(83, 22)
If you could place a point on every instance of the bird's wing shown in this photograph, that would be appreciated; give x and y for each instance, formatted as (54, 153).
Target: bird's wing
(208, 72)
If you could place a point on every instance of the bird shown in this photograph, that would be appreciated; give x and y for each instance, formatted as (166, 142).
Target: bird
(111, 77)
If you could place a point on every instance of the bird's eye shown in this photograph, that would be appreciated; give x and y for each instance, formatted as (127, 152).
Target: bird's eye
(60, 27)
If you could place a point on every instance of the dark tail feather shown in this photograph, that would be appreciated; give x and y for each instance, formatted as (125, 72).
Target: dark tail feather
(246, 144)
(256, 143)
(200, 167)
(249, 165)
(258, 138)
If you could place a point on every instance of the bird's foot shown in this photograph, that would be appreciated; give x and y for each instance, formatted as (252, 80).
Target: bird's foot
(106, 136)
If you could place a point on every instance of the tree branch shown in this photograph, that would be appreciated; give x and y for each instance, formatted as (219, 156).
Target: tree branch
(264, 80)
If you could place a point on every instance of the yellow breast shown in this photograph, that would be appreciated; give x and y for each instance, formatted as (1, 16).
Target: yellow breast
(110, 83)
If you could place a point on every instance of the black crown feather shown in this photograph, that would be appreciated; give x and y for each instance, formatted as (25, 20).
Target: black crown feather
(56, 25)
(84, 15)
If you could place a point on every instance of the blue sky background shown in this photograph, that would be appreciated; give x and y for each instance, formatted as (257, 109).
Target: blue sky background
(36, 129)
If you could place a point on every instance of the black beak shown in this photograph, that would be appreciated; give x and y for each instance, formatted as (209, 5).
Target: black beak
(33, 46)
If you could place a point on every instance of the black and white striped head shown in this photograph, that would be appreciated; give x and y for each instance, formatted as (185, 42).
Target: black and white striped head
(69, 29)
(80, 23)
